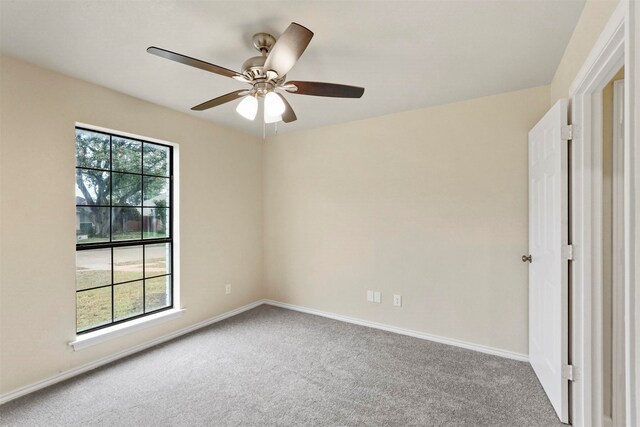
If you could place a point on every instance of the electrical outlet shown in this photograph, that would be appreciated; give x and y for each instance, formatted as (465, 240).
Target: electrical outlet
(376, 297)
(227, 289)
(397, 300)
(370, 296)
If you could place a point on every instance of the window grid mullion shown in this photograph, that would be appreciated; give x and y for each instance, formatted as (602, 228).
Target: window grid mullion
(171, 270)
(118, 171)
(78, 291)
(110, 198)
(121, 243)
(112, 291)
(113, 315)
(120, 283)
(142, 203)
(144, 278)
(113, 244)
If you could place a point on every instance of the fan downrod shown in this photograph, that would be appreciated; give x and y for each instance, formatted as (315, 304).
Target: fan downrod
(254, 66)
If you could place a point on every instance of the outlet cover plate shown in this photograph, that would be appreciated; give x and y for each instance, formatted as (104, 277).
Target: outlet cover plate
(370, 296)
(397, 300)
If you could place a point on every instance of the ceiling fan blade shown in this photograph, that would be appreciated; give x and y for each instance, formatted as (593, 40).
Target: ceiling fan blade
(187, 60)
(324, 89)
(220, 100)
(288, 116)
(288, 49)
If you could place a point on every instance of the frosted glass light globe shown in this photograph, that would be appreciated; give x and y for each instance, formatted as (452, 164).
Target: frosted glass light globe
(273, 105)
(248, 107)
(271, 119)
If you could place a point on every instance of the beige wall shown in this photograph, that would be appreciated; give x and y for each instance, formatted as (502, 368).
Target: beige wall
(220, 201)
(430, 204)
(592, 21)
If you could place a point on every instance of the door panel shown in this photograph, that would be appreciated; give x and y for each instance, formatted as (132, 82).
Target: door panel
(548, 271)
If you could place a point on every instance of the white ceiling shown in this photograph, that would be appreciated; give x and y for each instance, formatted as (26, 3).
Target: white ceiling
(407, 54)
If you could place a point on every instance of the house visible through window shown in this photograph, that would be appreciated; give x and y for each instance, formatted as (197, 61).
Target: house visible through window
(124, 245)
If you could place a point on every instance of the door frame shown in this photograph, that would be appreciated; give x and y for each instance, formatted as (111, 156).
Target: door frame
(617, 229)
(613, 49)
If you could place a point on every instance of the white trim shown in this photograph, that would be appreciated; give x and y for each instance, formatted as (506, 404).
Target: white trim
(617, 259)
(597, 252)
(632, 211)
(612, 50)
(107, 334)
(79, 343)
(602, 48)
(175, 223)
(4, 398)
(125, 134)
(402, 331)
(22, 391)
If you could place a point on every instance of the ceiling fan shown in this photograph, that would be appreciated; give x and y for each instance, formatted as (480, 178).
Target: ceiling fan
(266, 74)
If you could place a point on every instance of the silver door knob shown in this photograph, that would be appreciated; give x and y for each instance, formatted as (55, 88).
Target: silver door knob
(526, 258)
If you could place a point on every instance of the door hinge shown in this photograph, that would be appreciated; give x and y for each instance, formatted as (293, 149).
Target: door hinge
(567, 252)
(566, 132)
(568, 372)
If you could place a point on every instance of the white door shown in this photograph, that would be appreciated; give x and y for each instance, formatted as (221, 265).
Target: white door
(548, 268)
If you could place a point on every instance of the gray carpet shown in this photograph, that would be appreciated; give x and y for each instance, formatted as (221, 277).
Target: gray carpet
(271, 366)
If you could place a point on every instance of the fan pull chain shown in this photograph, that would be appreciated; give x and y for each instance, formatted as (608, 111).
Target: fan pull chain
(264, 132)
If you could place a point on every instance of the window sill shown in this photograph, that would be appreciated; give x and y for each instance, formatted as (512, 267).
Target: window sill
(106, 334)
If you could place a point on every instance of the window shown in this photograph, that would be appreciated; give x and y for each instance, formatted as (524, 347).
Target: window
(124, 244)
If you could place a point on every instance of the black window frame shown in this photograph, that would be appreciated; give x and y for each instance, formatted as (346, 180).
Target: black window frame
(143, 242)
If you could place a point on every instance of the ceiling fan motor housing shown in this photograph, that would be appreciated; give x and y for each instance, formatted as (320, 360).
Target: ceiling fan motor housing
(254, 67)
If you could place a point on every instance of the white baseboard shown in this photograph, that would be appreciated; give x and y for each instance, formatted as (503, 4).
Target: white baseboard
(416, 334)
(108, 359)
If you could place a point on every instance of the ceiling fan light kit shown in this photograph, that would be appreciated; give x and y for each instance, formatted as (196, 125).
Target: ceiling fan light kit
(248, 107)
(266, 74)
(273, 105)
(271, 119)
